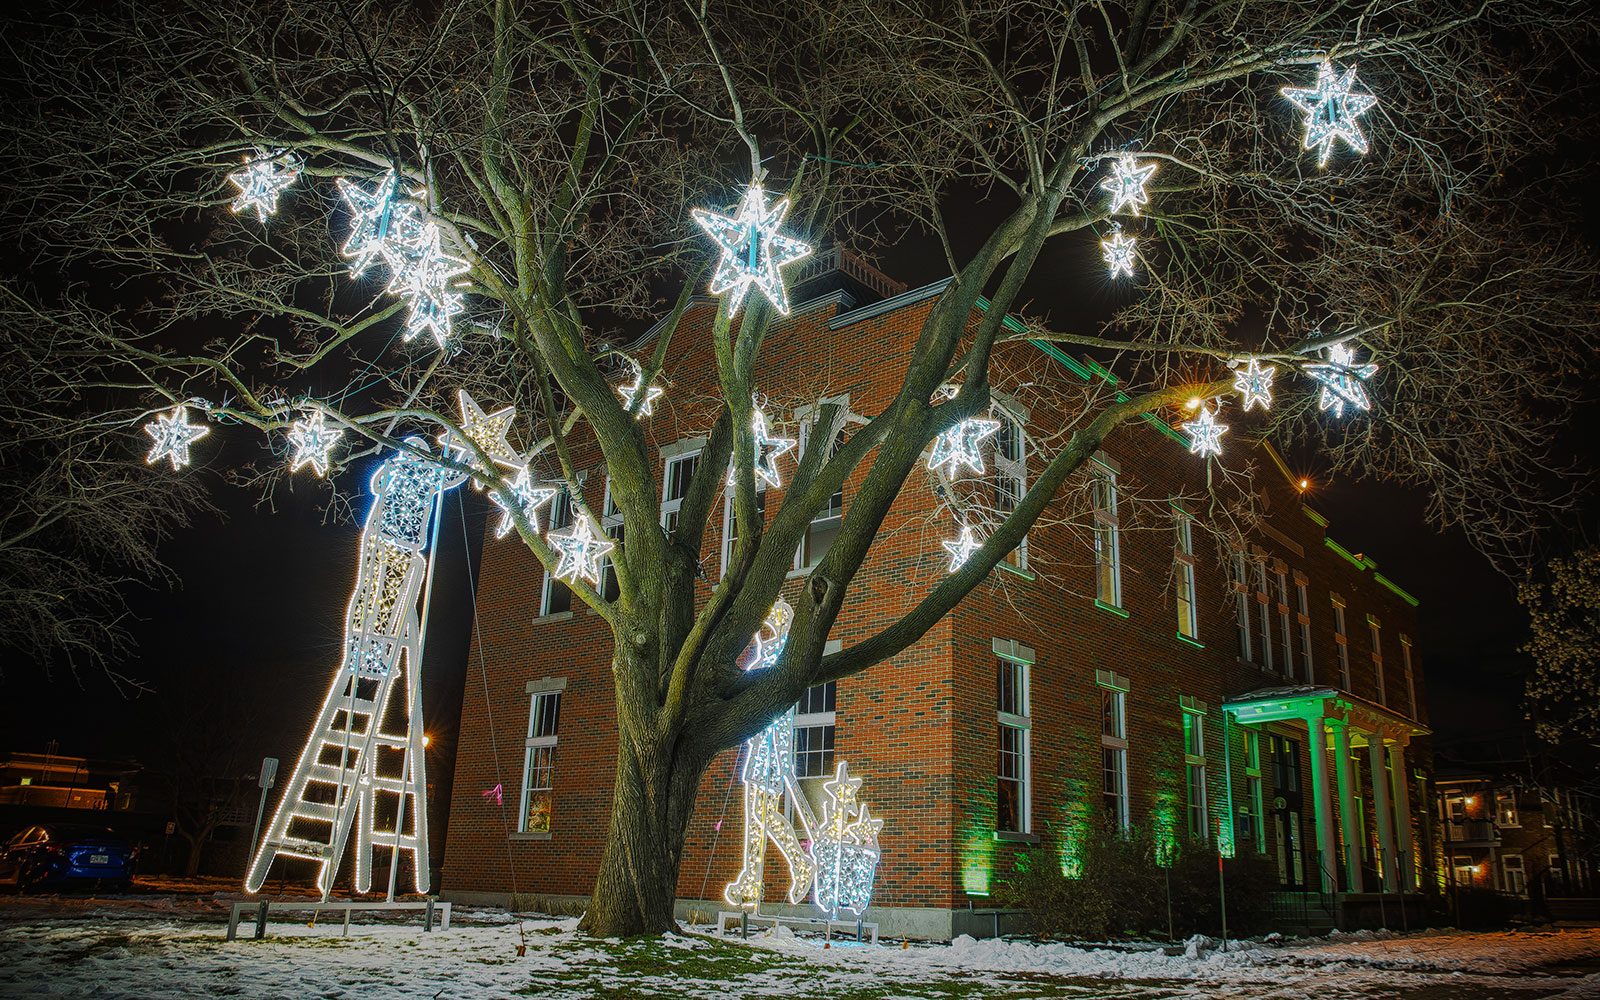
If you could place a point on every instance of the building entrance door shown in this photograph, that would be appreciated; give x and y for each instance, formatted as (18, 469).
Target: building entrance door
(1288, 834)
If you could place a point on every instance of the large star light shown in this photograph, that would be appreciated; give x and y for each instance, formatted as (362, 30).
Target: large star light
(632, 392)
(526, 497)
(1127, 182)
(172, 435)
(1118, 251)
(962, 548)
(960, 445)
(1253, 381)
(1205, 434)
(1331, 108)
(486, 430)
(427, 278)
(380, 223)
(313, 439)
(1341, 380)
(581, 552)
(265, 176)
(752, 249)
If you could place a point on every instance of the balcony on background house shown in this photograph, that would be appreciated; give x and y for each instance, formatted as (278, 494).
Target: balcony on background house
(1472, 832)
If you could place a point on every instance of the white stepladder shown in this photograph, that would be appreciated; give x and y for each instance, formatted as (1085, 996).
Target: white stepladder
(350, 758)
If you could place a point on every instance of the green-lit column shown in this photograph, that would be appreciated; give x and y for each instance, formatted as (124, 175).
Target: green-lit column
(1380, 812)
(1402, 818)
(1347, 805)
(1317, 741)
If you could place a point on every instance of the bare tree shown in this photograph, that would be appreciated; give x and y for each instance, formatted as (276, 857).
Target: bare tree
(559, 148)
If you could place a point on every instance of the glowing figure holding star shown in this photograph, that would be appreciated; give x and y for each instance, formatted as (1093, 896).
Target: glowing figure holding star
(341, 773)
(752, 249)
(1253, 381)
(313, 439)
(1127, 182)
(173, 434)
(1117, 249)
(1341, 380)
(265, 176)
(1331, 108)
(1205, 434)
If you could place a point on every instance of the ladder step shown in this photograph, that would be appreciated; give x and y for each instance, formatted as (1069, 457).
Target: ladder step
(303, 848)
(316, 810)
(386, 838)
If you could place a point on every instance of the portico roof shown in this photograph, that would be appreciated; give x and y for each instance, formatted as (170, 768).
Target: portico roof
(1314, 701)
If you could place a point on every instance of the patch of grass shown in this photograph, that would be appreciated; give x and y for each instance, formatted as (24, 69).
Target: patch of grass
(91, 948)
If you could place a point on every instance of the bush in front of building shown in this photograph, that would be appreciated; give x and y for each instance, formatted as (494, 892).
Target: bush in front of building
(1112, 884)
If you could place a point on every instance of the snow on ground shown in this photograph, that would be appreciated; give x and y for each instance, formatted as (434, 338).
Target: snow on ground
(161, 948)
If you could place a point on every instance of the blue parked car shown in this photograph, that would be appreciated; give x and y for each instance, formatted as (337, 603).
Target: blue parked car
(60, 856)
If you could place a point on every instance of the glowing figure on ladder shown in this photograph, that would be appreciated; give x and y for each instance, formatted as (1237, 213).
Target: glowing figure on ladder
(840, 854)
(383, 643)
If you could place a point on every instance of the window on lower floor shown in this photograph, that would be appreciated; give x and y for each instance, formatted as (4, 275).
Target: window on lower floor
(1114, 751)
(1253, 809)
(814, 721)
(539, 763)
(1513, 878)
(1013, 765)
(1194, 762)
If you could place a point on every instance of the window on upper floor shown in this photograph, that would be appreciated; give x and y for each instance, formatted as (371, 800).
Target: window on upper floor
(1341, 641)
(1505, 807)
(1303, 599)
(824, 527)
(611, 524)
(1411, 678)
(557, 597)
(1280, 595)
(1263, 602)
(1184, 573)
(730, 524)
(1239, 583)
(675, 479)
(1375, 631)
(1107, 536)
(1009, 480)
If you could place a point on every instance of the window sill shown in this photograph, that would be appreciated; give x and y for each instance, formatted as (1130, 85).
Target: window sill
(1008, 837)
(1111, 608)
(559, 616)
(1197, 644)
(795, 574)
(530, 836)
(1014, 570)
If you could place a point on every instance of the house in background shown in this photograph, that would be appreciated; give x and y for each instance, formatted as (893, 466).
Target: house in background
(1245, 685)
(57, 781)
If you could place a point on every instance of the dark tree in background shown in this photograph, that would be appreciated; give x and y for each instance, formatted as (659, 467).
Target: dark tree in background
(560, 149)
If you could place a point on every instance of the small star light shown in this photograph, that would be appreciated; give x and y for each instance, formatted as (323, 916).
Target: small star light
(313, 439)
(265, 176)
(1341, 380)
(173, 434)
(960, 444)
(581, 552)
(1253, 381)
(630, 393)
(1127, 182)
(1117, 249)
(962, 548)
(1205, 434)
(1331, 108)
(524, 495)
(768, 449)
(428, 280)
(378, 221)
(752, 249)
(486, 430)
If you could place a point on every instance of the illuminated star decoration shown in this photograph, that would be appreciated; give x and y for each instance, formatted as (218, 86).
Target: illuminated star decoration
(380, 223)
(846, 848)
(752, 249)
(1117, 249)
(265, 176)
(962, 548)
(1253, 381)
(1341, 380)
(581, 552)
(524, 495)
(173, 434)
(1205, 434)
(768, 448)
(773, 636)
(427, 278)
(486, 430)
(1127, 182)
(960, 444)
(1331, 108)
(313, 439)
(630, 393)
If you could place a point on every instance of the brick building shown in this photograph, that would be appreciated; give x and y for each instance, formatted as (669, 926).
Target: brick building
(1503, 830)
(1134, 661)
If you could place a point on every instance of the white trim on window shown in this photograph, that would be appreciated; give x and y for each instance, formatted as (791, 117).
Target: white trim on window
(1341, 639)
(612, 527)
(1013, 716)
(1107, 534)
(1263, 600)
(678, 467)
(535, 803)
(555, 598)
(1009, 480)
(1303, 599)
(824, 527)
(1185, 599)
(728, 521)
(1195, 798)
(1239, 582)
(1285, 630)
(1113, 691)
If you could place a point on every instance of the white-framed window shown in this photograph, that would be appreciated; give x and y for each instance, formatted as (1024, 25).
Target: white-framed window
(1013, 769)
(814, 721)
(1241, 604)
(1194, 766)
(539, 761)
(676, 476)
(1505, 808)
(1341, 641)
(824, 527)
(1113, 691)
(1285, 629)
(1513, 878)
(1183, 557)
(730, 523)
(1375, 631)
(1107, 536)
(1252, 811)
(1262, 600)
(1009, 480)
(611, 525)
(557, 597)
(1303, 598)
(1411, 678)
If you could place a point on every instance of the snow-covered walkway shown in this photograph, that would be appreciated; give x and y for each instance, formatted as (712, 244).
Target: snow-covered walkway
(150, 950)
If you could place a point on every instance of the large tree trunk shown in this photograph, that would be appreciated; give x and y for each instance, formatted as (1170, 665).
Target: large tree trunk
(650, 808)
